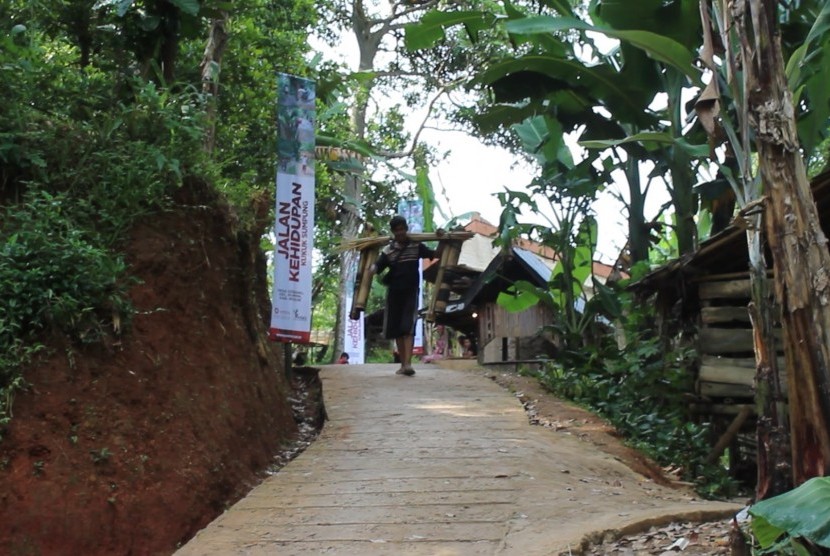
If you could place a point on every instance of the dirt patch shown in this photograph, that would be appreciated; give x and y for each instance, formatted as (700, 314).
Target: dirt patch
(546, 410)
(689, 538)
(133, 446)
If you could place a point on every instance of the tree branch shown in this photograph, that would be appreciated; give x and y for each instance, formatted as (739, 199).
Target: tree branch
(443, 90)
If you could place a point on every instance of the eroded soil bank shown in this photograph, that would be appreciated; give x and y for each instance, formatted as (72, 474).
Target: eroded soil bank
(133, 446)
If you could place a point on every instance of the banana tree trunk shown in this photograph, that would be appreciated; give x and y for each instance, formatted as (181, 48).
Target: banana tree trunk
(637, 230)
(774, 471)
(798, 245)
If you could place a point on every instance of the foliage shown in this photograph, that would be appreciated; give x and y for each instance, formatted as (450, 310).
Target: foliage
(265, 38)
(794, 522)
(53, 278)
(640, 389)
(85, 153)
(570, 231)
(603, 97)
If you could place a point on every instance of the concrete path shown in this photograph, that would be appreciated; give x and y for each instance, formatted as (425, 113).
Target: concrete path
(442, 463)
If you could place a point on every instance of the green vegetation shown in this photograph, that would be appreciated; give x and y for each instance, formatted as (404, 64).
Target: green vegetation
(98, 132)
(794, 523)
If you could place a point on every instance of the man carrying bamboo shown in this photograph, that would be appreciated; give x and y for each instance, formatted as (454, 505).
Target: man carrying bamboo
(402, 256)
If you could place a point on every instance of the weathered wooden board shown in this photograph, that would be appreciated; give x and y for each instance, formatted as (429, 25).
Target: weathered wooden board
(732, 289)
(730, 370)
(716, 341)
(745, 362)
(716, 315)
(723, 390)
(723, 341)
(501, 323)
(719, 408)
(712, 370)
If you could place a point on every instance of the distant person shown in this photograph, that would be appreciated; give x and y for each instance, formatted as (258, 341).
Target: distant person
(344, 359)
(440, 349)
(300, 359)
(403, 258)
(468, 350)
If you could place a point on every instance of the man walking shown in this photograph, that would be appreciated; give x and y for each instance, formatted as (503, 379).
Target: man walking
(402, 257)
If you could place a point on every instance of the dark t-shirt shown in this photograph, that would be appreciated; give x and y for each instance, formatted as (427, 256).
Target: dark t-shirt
(403, 261)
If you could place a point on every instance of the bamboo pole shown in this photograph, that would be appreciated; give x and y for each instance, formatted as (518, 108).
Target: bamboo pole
(450, 251)
(361, 243)
(363, 281)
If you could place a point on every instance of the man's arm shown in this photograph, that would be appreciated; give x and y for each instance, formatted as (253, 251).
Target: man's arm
(379, 265)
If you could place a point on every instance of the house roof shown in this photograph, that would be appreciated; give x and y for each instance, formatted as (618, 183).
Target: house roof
(481, 226)
(504, 270)
(723, 253)
(484, 271)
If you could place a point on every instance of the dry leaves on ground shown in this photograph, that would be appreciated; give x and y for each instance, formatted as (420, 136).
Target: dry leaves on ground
(686, 539)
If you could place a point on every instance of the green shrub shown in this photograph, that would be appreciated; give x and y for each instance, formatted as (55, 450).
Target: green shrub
(84, 153)
(53, 279)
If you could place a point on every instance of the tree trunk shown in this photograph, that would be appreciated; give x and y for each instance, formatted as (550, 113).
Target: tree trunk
(169, 47)
(210, 67)
(368, 42)
(348, 260)
(799, 247)
(637, 230)
(774, 473)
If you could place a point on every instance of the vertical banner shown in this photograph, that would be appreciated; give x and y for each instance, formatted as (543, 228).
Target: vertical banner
(413, 211)
(294, 218)
(353, 343)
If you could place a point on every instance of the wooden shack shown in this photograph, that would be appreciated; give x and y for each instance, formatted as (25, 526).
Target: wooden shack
(506, 337)
(481, 273)
(702, 298)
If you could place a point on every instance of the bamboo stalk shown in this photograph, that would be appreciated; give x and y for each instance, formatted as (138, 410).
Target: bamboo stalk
(361, 243)
(441, 292)
(363, 282)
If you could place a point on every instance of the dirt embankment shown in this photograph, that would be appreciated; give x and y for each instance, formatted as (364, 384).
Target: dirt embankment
(132, 447)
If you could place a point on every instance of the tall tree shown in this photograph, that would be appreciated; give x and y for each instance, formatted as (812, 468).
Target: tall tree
(386, 70)
(559, 70)
(747, 36)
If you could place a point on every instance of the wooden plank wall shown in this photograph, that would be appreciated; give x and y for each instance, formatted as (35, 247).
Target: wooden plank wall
(726, 376)
(500, 331)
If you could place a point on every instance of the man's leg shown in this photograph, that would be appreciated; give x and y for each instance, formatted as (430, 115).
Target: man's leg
(400, 345)
(406, 359)
(405, 349)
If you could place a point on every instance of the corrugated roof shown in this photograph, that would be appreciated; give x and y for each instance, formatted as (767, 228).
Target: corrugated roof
(534, 263)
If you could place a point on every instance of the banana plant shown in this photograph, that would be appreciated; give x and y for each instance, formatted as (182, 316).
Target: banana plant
(569, 228)
(794, 522)
(560, 72)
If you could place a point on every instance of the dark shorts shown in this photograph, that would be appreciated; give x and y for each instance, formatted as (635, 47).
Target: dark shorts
(400, 313)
